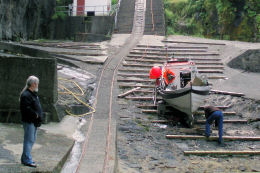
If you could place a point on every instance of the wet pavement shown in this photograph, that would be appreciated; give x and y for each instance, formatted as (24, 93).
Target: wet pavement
(49, 152)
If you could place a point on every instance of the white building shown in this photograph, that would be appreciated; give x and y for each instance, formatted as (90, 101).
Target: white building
(91, 7)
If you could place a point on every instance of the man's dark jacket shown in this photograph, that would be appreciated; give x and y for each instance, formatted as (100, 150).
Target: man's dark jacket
(210, 110)
(30, 107)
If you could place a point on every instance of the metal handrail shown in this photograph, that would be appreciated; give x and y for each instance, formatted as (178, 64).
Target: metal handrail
(117, 11)
(70, 9)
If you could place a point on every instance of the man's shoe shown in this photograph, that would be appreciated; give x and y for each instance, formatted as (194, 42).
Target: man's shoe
(30, 165)
(222, 144)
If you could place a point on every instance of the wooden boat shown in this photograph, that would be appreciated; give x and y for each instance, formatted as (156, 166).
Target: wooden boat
(181, 86)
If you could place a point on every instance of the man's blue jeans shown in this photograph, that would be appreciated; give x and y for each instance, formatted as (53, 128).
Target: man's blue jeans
(217, 116)
(29, 139)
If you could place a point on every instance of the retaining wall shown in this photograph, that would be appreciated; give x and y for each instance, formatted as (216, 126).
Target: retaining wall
(92, 28)
(14, 70)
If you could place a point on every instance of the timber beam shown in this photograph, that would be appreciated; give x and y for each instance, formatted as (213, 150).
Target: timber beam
(227, 93)
(190, 42)
(213, 138)
(222, 152)
(173, 47)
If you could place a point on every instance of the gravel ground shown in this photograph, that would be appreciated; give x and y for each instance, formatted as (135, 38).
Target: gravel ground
(142, 146)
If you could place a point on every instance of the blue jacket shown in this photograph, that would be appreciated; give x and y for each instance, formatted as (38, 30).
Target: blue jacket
(30, 107)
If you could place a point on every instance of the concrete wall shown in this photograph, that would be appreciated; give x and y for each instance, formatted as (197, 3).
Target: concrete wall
(14, 71)
(97, 26)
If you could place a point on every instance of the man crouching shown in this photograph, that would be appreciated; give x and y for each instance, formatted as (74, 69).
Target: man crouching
(31, 112)
(214, 114)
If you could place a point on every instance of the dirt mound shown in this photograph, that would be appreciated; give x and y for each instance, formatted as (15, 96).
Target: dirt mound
(248, 61)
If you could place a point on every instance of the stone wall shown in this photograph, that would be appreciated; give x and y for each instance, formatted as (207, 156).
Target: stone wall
(25, 19)
(14, 70)
(94, 28)
(248, 61)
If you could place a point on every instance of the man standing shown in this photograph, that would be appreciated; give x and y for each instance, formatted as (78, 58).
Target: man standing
(214, 114)
(31, 112)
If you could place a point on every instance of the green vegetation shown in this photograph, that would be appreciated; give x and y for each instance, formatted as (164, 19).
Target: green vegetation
(61, 10)
(141, 124)
(220, 19)
(114, 2)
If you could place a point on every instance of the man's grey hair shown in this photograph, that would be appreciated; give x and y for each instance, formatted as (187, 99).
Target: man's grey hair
(29, 82)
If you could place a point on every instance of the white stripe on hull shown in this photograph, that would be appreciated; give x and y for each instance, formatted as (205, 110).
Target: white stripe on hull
(185, 104)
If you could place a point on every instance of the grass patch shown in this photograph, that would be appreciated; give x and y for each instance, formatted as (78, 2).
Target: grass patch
(144, 126)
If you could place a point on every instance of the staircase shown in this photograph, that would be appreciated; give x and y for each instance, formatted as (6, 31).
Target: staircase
(154, 19)
(125, 16)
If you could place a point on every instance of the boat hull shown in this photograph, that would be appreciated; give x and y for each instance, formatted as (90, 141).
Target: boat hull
(186, 100)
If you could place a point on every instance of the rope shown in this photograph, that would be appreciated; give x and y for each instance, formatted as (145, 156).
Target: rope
(75, 83)
(75, 95)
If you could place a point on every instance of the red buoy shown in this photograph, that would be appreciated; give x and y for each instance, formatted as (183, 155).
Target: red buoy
(155, 72)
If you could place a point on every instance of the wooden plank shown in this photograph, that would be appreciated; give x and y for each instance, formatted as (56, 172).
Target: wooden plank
(168, 50)
(220, 107)
(135, 70)
(150, 106)
(144, 92)
(149, 111)
(223, 152)
(145, 60)
(147, 76)
(134, 75)
(141, 98)
(175, 54)
(155, 106)
(161, 64)
(139, 65)
(133, 85)
(227, 93)
(148, 70)
(164, 58)
(217, 77)
(136, 80)
(128, 92)
(191, 42)
(210, 71)
(224, 121)
(161, 121)
(210, 67)
(188, 137)
(224, 113)
(177, 47)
